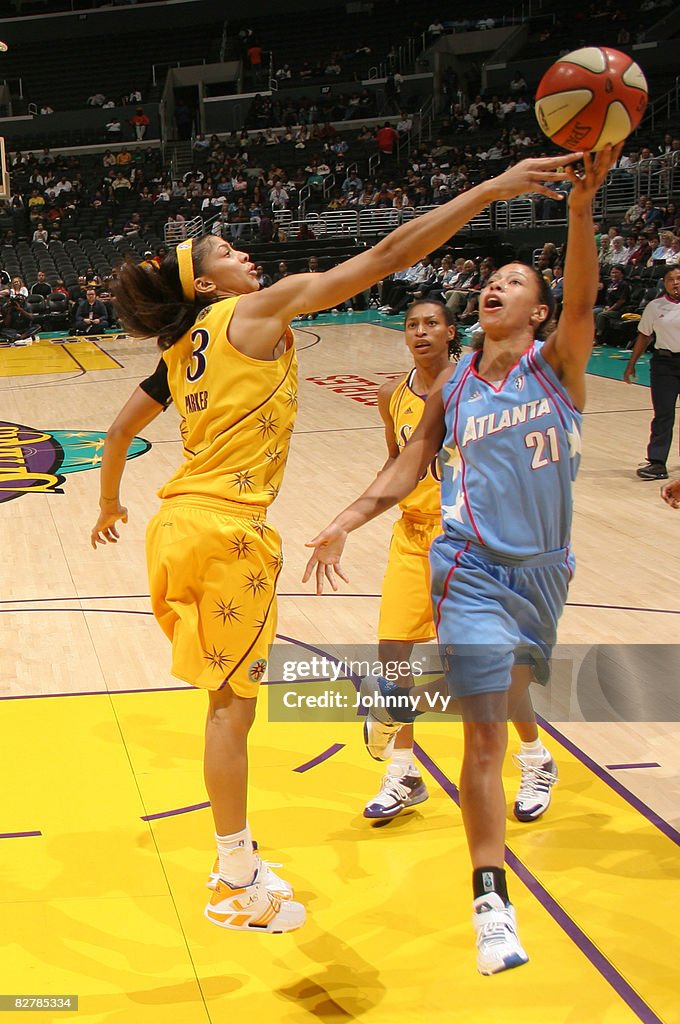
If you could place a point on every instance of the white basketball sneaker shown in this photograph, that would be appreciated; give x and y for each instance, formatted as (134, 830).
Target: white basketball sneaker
(536, 783)
(498, 945)
(397, 793)
(252, 908)
(276, 885)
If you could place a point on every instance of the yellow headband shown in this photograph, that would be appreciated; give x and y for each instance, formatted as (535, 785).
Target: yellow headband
(185, 262)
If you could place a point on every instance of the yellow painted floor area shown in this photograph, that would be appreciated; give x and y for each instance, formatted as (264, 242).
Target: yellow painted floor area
(45, 357)
(109, 907)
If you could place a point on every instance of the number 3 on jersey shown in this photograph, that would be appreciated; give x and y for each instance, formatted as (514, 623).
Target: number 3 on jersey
(200, 339)
(538, 440)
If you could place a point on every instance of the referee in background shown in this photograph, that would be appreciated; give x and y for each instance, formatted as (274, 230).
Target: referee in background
(661, 317)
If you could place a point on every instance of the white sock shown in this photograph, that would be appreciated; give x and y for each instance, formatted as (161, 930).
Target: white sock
(403, 763)
(237, 860)
(535, 749)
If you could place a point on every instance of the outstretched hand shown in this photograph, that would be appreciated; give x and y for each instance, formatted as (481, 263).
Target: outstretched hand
(104, 530)
(587, 181)
(533, 175)
(670, 493)
(325, 561)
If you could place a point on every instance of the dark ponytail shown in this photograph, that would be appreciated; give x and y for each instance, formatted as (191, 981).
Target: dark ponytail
(149, 303)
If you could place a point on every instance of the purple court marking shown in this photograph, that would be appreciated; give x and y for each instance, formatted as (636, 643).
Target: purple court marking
(18, 835)
(178, 810)
(97, 597)
(319, 758)
(647, 812)
(642, 764)
(317, 650)
(96, 693)
(558, 914)
(83, 611)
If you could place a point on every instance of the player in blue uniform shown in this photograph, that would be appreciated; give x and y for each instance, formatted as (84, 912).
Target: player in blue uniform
(506, 422)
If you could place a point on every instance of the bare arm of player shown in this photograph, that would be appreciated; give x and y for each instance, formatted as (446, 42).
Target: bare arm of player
(390, 486)
(384, 397)
(263, 316)
(136, 414)
(641, 344)
(568, 349)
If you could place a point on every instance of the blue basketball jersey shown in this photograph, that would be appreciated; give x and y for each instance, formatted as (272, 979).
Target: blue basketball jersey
(511, 454)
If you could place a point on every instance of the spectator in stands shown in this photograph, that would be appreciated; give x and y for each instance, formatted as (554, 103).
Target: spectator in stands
(640, 254)
(200, 145)
(98, 99)
(635, 213)
(91, 315)
(16, 321)
(134, 97)
(393, 84)
(46, 109)
(617, 302)
(120, 183)
(140, 122)
(386, 140)
(397, 292)
(671, 217)
(113, 129)
(17, 288)
(652, 215)
(278, 198)
(518, 83)
(41, 286)
(255, 60)
(41, 234)
(264, 280)
(457, 296)
(124, 157)
(281, 271)
(619, 254)
(663, 250)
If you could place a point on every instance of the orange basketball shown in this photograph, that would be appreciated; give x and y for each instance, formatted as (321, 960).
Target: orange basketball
(591, 97)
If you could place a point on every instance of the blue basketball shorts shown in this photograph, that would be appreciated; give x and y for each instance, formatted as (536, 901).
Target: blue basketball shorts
(493, 614)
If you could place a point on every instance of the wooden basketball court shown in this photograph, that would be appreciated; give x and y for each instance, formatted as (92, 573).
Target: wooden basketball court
(105, 836)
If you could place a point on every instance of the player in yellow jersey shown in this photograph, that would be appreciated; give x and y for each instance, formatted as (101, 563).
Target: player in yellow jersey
(406, 605)
(213, 559)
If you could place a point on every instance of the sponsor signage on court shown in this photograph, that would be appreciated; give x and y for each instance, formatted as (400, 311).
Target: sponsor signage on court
(36, 461)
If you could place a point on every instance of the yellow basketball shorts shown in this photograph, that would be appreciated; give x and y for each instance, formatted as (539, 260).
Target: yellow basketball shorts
(406, 604)
(213, 567)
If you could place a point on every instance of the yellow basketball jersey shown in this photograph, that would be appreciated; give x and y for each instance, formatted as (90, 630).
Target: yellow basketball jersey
(406, 409)
(238, 413)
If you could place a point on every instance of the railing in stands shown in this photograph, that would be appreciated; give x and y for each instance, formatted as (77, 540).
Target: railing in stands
(663, 107)
(177, 232)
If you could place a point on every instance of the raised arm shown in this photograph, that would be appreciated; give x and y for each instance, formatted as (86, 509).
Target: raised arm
(568, 348)
(397, 479)
(265, 314)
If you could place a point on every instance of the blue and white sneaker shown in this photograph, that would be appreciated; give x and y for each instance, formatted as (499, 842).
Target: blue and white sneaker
(380, 726)
(537, 781)
(498, 945)
(397, 792)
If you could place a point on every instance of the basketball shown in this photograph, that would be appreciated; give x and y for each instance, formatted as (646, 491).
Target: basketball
(591, 97)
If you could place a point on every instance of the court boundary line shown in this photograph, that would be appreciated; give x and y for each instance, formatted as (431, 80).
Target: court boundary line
(572, 930)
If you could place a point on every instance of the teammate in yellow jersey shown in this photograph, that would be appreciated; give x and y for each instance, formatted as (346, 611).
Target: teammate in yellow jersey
(213, 559)
(406, 604)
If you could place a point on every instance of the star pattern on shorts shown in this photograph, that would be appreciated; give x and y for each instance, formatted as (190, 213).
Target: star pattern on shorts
(273, 455)
(276, 563)
(260, 527)
(243, 480)
(217, 659)
(267, 424)
(230, 612)
(257, 670)
(256, 582)
(272, 491)
(241, 546)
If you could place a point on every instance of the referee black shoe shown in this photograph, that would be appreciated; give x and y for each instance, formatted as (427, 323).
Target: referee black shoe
(652, 471)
